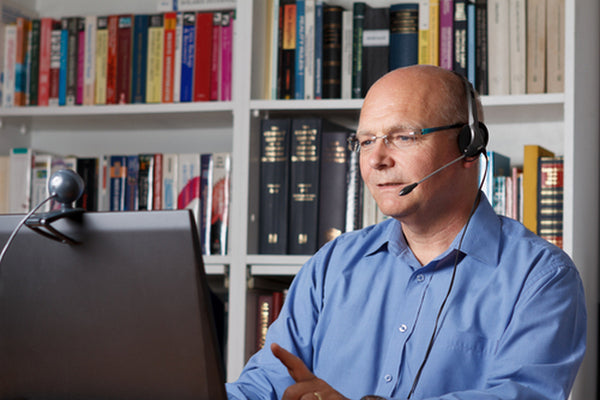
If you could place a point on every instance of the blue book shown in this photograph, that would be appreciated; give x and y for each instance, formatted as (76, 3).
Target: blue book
(319, 49)
(64, 52)
(188, 46)
(139, 58)
(471, 45)
(117, 180)
(131, 185)
(404, 35)
(498, 165)
(300, 50)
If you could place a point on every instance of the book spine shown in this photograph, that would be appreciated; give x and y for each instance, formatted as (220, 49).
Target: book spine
(40, 174)
(288, 50)
(265, 311)
(446, 34)
(460, 37)
(481, 43)
(305, 152)
(531, 156)
(139, 58)
(89, 68)
(57, 65)
(72, 60)
(188, 186)
(112, 60)
(80, 60)
(131, 183)
(188, 49)
(318, 49)
(498, 48)
(101, 59)
(274, 186)
(346, 69)
(333, 185)
(309, 49)
(517, 43)
(354, 195)
(35, 62)
(44, 65)
(19, 180)
(424, 34)
(555, 46)
(332, 52)
(215, 57)
(169, 169)
(226, 56)
(146, 182)
(300, 51)
(28, 50)
(20, 61)
(178, 59)
(170, 31)
(358, 17)
(536, 46)
(155, 59)
(203, 56)
(404, 35)
(157, 182)
(273, 50)
(206, 198)
(88, 169)
(550, 199)
(471, 42)
(376, 44)
(64, 62)
(117, 181)
(221, 194)
(10, 44)
(124, 46)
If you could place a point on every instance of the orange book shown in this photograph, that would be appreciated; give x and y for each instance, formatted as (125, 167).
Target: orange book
(531, 156)
(170, 27)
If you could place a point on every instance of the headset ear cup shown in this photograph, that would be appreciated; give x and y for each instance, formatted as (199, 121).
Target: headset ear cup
(472, 141)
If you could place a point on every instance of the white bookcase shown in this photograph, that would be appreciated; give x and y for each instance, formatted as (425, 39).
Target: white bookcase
(566, 123)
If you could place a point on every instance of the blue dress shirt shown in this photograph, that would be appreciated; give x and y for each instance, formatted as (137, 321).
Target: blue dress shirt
(361, 312)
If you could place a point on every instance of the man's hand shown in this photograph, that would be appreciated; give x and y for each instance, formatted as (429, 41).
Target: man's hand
(307, 386)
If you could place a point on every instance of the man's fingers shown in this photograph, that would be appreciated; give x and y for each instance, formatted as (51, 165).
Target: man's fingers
(298, 371)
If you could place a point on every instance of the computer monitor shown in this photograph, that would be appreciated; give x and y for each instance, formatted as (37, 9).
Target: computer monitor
(124, 314)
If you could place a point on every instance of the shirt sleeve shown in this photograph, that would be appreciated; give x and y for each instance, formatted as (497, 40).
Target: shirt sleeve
(543, 346)
(264, 377)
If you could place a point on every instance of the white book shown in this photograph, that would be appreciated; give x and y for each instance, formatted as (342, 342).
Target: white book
(89, 60)
(498, 47)
(555, 46)
(169, 201)
(19, 180)
(103, 179)
(346, 81)
(536, 46)
(274, 49)
(309, 49)
(40, 175)
(517, 46)
(178, 58)
(10, 48)
(221, 197)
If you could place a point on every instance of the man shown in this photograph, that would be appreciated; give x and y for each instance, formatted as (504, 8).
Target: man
(445, 300)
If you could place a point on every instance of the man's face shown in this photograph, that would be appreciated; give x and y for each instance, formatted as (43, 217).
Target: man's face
(405, 105)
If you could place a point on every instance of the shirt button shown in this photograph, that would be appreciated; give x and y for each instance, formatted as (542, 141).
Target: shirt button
(420, 278)
(388, 378)
(403, 328)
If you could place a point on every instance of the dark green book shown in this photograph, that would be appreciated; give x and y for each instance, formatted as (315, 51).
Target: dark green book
(34, 74)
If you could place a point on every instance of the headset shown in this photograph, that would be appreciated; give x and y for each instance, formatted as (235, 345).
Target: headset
(473, 138)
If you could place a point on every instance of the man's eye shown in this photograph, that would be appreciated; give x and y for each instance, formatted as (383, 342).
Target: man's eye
(403, 140)
(366, 142)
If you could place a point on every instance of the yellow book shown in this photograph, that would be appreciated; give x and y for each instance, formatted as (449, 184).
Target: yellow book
(531, 156)
(156, 42)
(434, 32)
(424, 35)
(101, 60)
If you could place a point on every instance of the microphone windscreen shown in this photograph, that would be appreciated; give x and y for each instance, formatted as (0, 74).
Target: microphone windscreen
(407, 189)
(66, 186)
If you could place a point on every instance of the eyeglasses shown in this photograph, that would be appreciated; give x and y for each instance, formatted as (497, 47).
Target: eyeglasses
(400, 140)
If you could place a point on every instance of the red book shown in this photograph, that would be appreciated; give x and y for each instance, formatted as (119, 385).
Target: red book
(44, 73)
(204, 25)
(226, 54)
(215, 58)
(123, 80)
(55, 62)
(157, 185)
(170, 25)
(111, 61)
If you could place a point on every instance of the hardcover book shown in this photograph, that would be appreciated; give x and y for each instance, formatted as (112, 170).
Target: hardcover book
(44, 64)
(155, 59)
(376, 45)
(170, 181)
(481, 44)
(89, 63)
(404, 35)
(124, 47)
(34, 73)
(498, 47)
(204, 24)
(460, 37)
(287, 56)
(332, 52)
(112, 59)
(536, 46)
(215, 57)
(447, 34)
(101, 59)
(225, 75)
(221, 197)
(550, 199)
(170, 31)
(531, 156)
(131, 184)
(146, 182)
(274, 185)
(188, 51)
(139, 58)
(300, 51)
(117, 182)
(358, 14)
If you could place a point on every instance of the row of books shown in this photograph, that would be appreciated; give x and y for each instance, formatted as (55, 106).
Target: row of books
(118, 59)
(325, 51)
(310, 189)
(531, 193)
(200, 182)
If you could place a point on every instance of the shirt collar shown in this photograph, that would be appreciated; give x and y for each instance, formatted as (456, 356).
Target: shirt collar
(482, 239)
